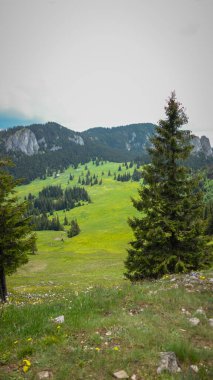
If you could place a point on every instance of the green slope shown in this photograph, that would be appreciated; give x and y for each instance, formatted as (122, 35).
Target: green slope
(96, 255)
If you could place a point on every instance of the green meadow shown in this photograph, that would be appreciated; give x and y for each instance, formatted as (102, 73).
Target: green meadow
(96, 255)
(109, 324)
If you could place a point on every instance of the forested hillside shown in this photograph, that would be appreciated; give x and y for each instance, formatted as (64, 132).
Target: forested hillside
(39, 150)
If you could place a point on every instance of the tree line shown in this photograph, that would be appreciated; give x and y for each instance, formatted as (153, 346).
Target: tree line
(54, 198)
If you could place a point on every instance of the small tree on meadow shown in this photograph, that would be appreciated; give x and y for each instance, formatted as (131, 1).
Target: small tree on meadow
(16, 237)
(169, 232)
(74, 229)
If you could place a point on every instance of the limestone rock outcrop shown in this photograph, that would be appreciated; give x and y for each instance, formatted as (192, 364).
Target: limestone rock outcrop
(23, 140)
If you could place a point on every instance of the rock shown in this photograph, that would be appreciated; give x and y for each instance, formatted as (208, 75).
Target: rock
(184, 311)
(133, 377)
(77, 140)
(108, 333)
(197, 147)
(206, 146)
(211, 322)
(200, 311)
(201, 145)
(24, 141)
(59, 319)
(194, 368)
(194, 321)
(44, 375)
(120, 375)
(168, 363)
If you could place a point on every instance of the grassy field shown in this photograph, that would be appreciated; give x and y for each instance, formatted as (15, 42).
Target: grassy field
(110, 325)
(96, 255)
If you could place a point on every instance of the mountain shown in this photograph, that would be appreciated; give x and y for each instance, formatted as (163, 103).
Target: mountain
(41, 149)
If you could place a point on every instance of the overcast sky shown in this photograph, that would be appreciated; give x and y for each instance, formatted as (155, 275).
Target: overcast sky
(88, 63)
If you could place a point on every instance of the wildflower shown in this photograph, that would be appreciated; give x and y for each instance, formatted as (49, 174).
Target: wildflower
(97, 348)
(25, 368)
(116, 348)
(26, 365)
(166, 276)
(29, 339)
(202, 277)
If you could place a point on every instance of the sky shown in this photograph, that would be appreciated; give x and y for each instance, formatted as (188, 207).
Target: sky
(90, 63)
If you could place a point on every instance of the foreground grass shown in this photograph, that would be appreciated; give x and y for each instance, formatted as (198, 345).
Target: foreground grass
(108, 329)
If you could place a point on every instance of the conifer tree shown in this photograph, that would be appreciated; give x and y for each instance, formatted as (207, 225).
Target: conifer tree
(65, 221)
(16, 237)
(74, 229)
(169, 232)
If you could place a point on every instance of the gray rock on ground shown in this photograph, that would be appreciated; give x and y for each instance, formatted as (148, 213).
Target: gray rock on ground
(200, 311)
(121, 375)
(194, 321)
(59, 319)
(43, 375)
(194, 368)
(168, 363)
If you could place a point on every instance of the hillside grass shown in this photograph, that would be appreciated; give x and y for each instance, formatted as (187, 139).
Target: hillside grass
(110, 325)
(96, 255)
(108, 329)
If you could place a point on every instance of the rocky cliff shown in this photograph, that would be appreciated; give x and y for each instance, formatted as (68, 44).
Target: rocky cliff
(202, 145)
(24, 141)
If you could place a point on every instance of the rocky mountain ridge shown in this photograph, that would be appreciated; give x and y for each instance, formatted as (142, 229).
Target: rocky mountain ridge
(24, 139)
(41, 149)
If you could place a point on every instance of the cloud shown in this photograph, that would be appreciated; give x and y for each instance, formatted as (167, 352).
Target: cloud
(11, 118)
(190, 30)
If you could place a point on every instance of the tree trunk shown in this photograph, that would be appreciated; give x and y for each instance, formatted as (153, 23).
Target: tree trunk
(3, 286)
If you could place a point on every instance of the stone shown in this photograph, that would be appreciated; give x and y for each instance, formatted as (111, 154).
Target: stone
(168, 363)
(211, 322)
(134, 377)
(59, 319)
(194, 368)
(43, 375)
(200, 311)
(184, 311)
(120, 375)
(194, 321)
(108, 333)
(206, 146)
(23, 140)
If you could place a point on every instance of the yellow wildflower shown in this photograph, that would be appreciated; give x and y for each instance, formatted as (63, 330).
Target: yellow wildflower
(25, 368)
(166, 276)
(116, 348)
(29, 339)
(26, 362)
(26, 365)
(97, 348)
(202, 277)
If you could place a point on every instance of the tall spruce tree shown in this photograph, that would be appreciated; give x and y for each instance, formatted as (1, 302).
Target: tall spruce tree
(169, 232)
(16, 238)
